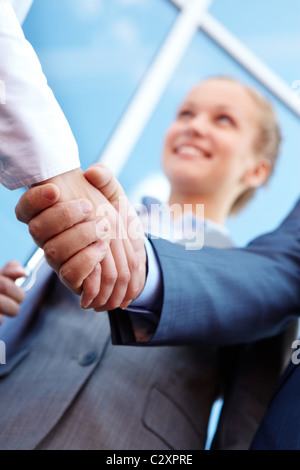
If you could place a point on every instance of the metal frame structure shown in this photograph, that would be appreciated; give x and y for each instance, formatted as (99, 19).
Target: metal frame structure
(193, 15)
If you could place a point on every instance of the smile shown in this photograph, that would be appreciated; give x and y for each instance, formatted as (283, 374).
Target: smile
(191, 151)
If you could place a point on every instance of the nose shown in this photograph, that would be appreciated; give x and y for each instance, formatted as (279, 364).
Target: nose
(198, 125)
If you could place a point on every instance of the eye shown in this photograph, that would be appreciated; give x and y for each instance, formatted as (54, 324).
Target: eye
(225, 119)
(185, 113)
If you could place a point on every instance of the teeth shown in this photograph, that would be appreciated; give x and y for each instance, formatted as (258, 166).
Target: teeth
(190, 150)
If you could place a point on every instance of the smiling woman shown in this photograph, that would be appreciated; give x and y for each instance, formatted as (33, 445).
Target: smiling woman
(217, 151)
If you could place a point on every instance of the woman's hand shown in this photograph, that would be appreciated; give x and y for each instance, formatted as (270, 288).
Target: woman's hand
(11, 296)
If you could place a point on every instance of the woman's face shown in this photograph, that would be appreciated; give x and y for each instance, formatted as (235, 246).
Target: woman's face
(210, 146)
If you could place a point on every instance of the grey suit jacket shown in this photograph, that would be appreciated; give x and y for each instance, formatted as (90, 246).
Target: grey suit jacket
(66, 387)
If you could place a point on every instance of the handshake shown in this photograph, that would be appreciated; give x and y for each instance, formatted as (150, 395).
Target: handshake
(90, 234)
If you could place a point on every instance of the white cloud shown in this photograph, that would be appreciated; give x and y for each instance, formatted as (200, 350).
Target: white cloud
(88, 8)
(126, 32)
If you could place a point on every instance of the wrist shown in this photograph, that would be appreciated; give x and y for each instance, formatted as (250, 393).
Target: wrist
(70, 184)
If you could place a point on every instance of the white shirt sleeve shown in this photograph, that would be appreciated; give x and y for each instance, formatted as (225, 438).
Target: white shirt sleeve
(36, 142)
(21, 7)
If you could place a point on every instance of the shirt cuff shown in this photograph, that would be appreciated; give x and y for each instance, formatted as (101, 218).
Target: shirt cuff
(149, 301)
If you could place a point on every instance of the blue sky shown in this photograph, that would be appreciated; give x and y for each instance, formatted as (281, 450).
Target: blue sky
(95, 53)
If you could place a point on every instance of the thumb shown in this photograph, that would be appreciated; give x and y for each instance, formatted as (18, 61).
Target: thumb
(100, 176)
(14, 270)
(35, 200)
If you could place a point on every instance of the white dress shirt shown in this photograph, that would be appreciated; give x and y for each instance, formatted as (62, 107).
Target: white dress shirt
(36, 142)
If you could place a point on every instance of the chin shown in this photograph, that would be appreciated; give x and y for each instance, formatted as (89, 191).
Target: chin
(183, 178)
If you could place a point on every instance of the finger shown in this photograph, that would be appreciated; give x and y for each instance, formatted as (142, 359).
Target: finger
(127, 285)
(133, 287)
(36, 200)
(107, 282)
(8, 306)
(60, 249)
(103, 179)
(9, 289)
(79, 267)
(1, 319)
(118, 278)
(134, 249)
(57, 219)
(91, 287)
(14, 270)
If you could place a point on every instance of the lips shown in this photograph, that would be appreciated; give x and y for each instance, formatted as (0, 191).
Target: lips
(191, 151)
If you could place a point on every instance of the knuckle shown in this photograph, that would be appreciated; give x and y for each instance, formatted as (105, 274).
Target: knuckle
(68, 275)
(51, 251)
(133, 264)
(87, 259)
(109, 277)
(35, 228)
(124, 277)
(65, 216)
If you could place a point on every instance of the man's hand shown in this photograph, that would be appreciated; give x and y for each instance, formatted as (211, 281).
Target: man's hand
(10, 295)
(70, 233)
(103, 179)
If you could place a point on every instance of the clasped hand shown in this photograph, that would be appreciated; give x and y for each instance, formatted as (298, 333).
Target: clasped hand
(91, 236)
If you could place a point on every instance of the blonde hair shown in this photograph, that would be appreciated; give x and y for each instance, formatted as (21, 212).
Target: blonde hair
(267, 142)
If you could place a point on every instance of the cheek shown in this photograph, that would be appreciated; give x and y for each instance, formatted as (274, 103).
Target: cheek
(170, 137)
(226, 143)
(233, 150)
(168, 145)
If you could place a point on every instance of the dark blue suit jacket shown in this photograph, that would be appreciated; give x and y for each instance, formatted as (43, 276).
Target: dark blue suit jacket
(233, 296)
(280, 427)
(243, 294)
